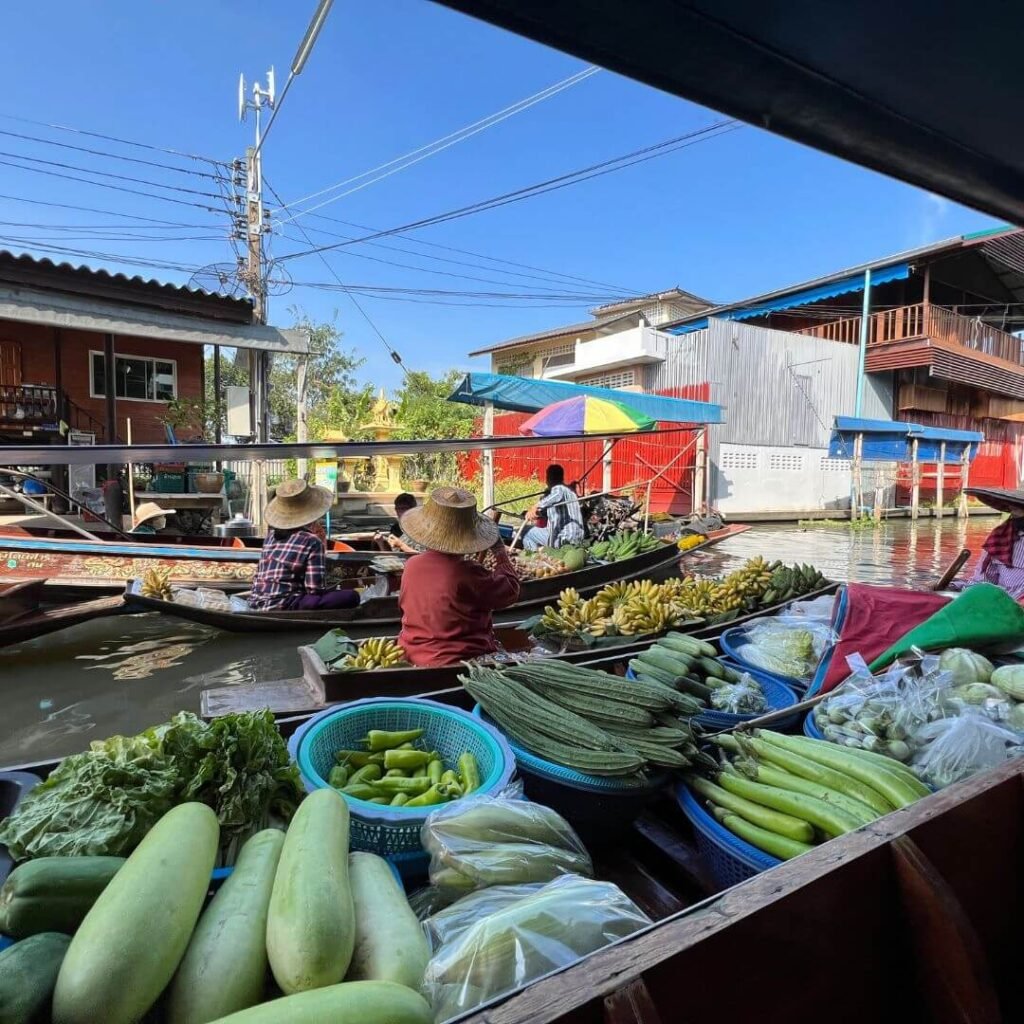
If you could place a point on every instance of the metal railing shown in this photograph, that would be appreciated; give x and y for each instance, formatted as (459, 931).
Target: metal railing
(29, 404)
(923, 320)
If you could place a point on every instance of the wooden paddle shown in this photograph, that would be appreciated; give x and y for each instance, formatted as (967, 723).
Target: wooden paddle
(954, 567)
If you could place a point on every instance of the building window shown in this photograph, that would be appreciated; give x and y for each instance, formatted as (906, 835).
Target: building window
(136, 378)
(559, 355)
(622, 379)
(516, 367)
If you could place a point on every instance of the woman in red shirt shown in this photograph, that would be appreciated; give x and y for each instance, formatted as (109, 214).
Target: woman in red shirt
(447, 599)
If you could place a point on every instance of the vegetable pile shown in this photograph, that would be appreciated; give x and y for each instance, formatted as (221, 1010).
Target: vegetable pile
(587, 720)
(690, 665)
(333, 931)
(689, 541)
(104, 801)
(784, 794)
(786, 645)
(392, 771)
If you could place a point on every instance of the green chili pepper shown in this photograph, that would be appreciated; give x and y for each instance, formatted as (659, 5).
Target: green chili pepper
(357, 758)
(449, 777)
(450, 790)
(435, 769)
(394, 785)
(378, 739)
(395, 773)
(405, 758)
(399, 799)
(431, 796)
(338, 777)
(469, 772)
(380, 800)
(361, 791)
(368, 773)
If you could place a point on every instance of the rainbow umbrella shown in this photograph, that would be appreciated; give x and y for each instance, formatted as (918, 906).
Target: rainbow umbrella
(586, 415)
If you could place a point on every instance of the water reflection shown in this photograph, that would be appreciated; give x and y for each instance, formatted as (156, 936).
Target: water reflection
(123, 674)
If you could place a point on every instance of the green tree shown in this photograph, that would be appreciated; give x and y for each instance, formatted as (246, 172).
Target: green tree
(424, 412)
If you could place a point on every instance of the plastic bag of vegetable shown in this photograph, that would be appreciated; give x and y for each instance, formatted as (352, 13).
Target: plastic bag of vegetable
(743, 698)
(788, 645)
(482, 841)
(955, 748)
(492, 942)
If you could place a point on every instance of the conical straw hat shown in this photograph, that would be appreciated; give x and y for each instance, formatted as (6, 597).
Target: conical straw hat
(296, 504)
(151, 510)
(449, 522)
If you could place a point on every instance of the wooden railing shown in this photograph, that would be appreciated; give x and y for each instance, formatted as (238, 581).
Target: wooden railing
(923, 320)
(30, 404)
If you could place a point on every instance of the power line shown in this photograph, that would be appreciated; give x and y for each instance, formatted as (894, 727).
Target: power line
(108, 174)
(106, 213)
(114, 138)
(438, 145)
(552, 184)
(107, 153)
(388, 289)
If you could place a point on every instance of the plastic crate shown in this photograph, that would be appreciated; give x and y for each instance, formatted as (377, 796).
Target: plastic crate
(776, 694)
(394, 832)
(168, 483)
(730, 859)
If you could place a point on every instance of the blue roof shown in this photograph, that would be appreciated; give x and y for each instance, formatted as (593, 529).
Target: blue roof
(752, 308)
(854, 425)
(523, 394)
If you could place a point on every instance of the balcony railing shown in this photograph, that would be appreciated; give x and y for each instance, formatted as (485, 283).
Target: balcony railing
(31, 405)
(924, 320)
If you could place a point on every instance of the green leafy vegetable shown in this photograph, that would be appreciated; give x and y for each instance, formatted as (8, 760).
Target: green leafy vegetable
(104, 801)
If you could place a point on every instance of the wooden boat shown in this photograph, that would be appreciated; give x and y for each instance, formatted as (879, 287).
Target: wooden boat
(928, 900)
(24, 616)
(77, 567)
(320, 686)
(380, 616)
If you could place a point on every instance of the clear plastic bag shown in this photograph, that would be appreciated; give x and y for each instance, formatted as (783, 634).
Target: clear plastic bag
(788, 645)
(378, 588)
(493, 942)
(955, 748)
(483, 841)
(743, 698)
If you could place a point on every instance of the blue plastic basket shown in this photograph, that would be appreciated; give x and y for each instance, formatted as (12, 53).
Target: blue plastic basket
(777, 695)
(810, 727)
(732, 642)
(732, 860)
(394, 832)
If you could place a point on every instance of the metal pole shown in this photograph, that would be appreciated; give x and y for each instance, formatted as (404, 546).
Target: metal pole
(865, 317)
(965, 468)
(36, 507)
(217, 395)
(606, 465)
(940, 481)
(700, 478)
(301, 426)
(915, 481)
(487, 457)
(131, 474)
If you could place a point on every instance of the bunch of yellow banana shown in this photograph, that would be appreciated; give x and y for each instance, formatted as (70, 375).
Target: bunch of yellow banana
(608, 597)
(377, 652)
(156, 583)
(568, 599)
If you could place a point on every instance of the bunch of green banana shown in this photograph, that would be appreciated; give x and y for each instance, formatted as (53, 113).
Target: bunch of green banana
(625, 544)
(787, 583)
(377, 652)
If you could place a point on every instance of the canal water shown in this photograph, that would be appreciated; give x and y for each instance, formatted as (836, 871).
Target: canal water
(123, 674)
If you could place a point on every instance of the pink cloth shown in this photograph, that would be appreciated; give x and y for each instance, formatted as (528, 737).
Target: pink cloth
(1008, 576)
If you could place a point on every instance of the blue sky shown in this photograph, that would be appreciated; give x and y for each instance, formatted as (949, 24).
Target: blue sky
(727, 218)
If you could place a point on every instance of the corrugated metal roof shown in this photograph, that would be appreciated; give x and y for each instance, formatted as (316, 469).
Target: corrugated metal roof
(666, 295)
(556, 332)
(44, 272)
(986, 241)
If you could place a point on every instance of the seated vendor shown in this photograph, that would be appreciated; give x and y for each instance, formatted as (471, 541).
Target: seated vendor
(1002, 557)
(292, 570)
(150, 517)
(447, 599)
(395, 539)
(564, 518)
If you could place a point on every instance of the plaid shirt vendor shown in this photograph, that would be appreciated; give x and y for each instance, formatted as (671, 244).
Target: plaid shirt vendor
(292, 571)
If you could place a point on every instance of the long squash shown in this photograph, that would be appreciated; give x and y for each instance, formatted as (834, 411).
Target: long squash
(225, 965)
(311, 922)
(390, 944)
(131, 941)
(361, 1002)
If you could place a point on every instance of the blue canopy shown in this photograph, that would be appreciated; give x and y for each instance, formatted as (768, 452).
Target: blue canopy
(523, 394)
(890, 440)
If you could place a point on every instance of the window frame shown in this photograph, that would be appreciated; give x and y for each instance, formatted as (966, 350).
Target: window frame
(146, 359)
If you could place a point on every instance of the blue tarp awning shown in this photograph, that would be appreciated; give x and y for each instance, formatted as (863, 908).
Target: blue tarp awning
(854, 283)
(523, 394)
(890, 440)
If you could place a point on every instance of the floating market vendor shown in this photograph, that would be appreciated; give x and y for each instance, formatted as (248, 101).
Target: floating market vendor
(395, 539)
(150, 517)
(447, 599)
(561, 508)
(1002, 557)
(292, 572)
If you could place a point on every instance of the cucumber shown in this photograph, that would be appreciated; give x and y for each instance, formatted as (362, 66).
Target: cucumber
(713, 667)
(311, 922)
(131, 941)
(28, 972)
(390, 944)
(683, 645)
(225, 965)
(358, 1002)
(677, 665)
(53, 894)
(659, 675)
(694, 687)
(684, 658)
(703, 646)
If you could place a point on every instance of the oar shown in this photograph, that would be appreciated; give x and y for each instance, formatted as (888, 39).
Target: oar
(954, 567)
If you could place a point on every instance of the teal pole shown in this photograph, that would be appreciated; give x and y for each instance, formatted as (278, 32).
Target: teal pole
(865, 313)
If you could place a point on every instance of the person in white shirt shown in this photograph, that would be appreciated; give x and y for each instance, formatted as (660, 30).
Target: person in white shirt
(561, 508)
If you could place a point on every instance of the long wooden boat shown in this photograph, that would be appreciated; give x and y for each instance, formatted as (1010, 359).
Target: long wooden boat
(921, 908)
(380, 616)
(320, 686)
(77, 567)
(24, 615)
